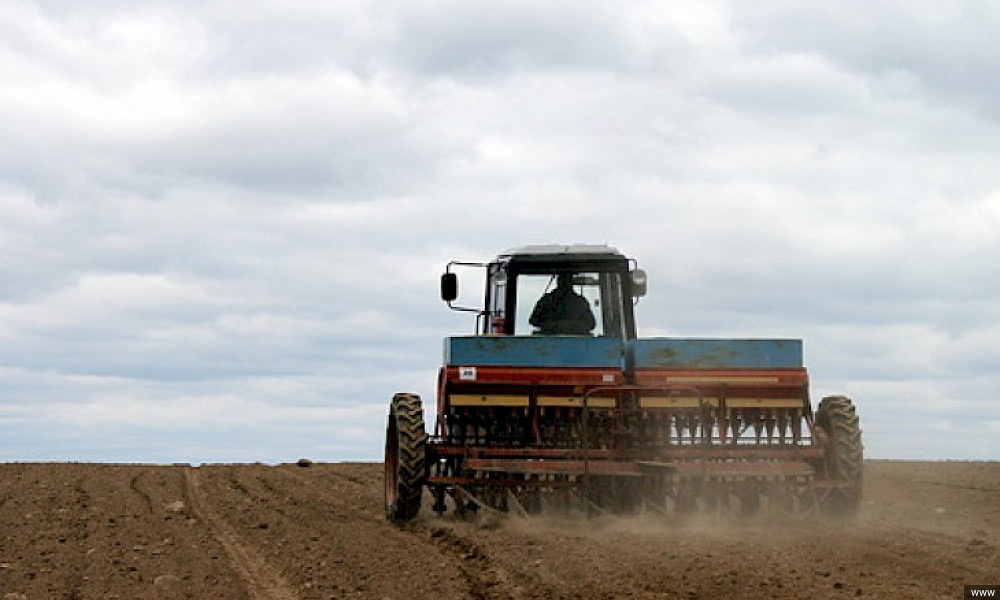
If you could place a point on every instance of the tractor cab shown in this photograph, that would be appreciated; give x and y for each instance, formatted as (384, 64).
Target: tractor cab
(578, 290)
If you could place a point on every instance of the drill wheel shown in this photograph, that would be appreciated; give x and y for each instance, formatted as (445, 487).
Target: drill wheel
(405, 463)
(837, 419)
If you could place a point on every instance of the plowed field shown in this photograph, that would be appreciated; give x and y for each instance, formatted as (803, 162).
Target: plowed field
(89, 531)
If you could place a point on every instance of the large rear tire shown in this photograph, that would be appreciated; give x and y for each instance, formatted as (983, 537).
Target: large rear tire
(839, 424)
(405, 469)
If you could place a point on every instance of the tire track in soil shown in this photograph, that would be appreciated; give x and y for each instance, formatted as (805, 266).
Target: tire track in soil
(133, 485)
(77, 532)
(262, 580)
(485, 577)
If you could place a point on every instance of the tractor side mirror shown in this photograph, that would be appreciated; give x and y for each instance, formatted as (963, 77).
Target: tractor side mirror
(449, 287)
(638, 283)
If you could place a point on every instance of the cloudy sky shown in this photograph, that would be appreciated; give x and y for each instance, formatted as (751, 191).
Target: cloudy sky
(222, 223)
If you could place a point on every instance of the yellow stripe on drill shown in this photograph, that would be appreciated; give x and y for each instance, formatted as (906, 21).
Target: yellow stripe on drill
(765, 403)
(489, 400)
(576, 401)
(676, 402)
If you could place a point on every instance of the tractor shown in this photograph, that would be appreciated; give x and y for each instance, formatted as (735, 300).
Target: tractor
(555, 404)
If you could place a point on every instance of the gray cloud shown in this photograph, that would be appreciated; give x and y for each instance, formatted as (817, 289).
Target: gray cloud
(223, 223)
(943, 50)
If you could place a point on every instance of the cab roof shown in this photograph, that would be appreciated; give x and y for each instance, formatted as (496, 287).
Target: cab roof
(564, 257)
(553, 250)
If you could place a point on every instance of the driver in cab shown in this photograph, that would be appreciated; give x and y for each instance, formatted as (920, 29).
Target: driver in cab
(562, 311)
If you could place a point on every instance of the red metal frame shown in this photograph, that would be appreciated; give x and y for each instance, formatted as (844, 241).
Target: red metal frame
(708, 456)
(537, 375)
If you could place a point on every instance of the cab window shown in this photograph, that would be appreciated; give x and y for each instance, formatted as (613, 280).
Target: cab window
(599, 291)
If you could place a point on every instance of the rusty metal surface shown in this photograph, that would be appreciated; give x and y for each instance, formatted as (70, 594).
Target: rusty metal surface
(520, 375)
(501, 451)
(712, 452)
(535, 351)
(702, 353)
(733, 468)
(554, 467)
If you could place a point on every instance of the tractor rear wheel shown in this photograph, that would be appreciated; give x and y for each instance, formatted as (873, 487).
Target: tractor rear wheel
(405, 470)
(836, 419)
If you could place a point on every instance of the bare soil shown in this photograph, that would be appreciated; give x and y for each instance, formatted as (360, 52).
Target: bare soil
(88, 531)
